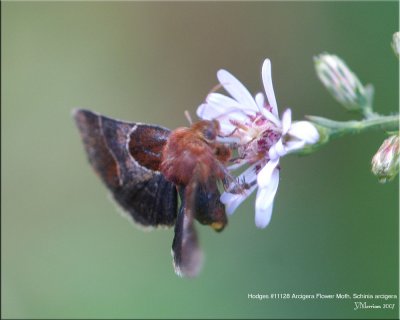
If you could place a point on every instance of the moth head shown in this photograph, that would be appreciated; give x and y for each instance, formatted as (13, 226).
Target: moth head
(207, 130)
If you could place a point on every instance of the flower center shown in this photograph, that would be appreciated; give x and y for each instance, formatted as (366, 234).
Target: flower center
(257, 136)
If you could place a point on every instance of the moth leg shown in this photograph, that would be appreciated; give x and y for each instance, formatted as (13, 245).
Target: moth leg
(186, 253)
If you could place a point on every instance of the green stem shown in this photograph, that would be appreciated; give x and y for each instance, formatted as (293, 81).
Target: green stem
(330, 129)
(369, 114)
(340, 128)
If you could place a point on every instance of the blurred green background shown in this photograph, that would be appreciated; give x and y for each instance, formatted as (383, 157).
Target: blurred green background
(68, 253)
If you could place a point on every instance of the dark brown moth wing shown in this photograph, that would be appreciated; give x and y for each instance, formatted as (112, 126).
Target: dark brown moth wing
(207, 205)
(186, 253)
(126, 156)
(199, 201)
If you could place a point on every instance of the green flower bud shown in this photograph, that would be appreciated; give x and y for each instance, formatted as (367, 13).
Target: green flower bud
(342, 83)
(396, 43)
(385, 163)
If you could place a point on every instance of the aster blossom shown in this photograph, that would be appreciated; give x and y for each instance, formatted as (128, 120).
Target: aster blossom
(261, 138)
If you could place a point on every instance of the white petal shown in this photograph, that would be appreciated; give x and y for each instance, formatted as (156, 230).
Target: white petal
(215, 105)
(227, 139)
(265, 175)
(227, 106)
(294, 145)
(208, 111)
(248, 176)
(222, 101)
(286, 121)
(232, 201)
(260, 100)
(237, 90)
(277, 150)
(226, 128)
(205, 111)
(269, 89)
(304, 130)
(236, 165)
(231, 114)
(265, 201)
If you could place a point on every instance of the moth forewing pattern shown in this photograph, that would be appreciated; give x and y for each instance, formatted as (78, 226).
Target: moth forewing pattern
(146, 166)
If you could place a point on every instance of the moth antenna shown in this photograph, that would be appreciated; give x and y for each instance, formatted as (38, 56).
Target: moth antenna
(215, 88)
(188, 117)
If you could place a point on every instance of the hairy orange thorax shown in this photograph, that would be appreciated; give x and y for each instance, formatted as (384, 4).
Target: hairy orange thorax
(194, 151)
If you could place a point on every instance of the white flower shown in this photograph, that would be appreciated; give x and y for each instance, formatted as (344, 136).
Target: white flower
(261, 136)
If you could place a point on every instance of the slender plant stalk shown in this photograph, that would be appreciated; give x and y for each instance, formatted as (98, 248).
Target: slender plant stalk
(341, 128)
(330, 129)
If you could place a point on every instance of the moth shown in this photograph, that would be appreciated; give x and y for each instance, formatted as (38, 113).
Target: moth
(147, 168)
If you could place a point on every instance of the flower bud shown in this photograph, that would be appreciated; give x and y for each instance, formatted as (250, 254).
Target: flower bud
(342, 83)
(396, 44)
(385, 163)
